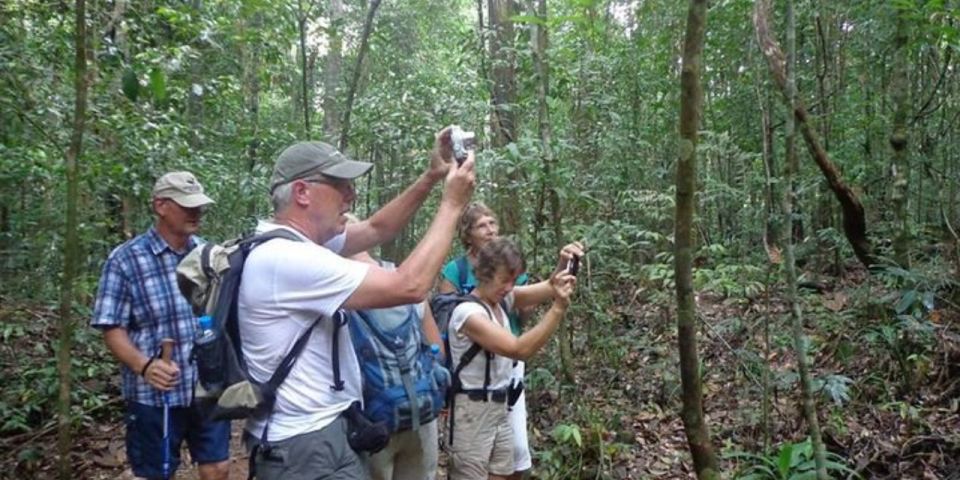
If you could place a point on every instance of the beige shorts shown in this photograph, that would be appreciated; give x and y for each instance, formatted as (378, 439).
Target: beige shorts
(482, 440)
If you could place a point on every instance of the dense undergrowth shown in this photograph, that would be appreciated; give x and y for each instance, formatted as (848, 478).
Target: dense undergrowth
(886, 352)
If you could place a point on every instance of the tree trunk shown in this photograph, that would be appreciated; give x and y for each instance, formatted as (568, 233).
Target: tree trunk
(251, 87)
(823, 60)
(331, 73)
(854, 221)
(354, 82)
(790, 265)
(691, 100)
(195, 100)
(538, 8)
(302, 14)
(482, 41)
(771, 236)
(899, 98)
(71, 247)
(503, 99)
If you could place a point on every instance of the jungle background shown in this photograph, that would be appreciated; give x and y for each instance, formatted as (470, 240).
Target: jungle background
(818, 279)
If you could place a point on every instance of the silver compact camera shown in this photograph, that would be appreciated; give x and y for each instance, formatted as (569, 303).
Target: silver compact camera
(462, 141)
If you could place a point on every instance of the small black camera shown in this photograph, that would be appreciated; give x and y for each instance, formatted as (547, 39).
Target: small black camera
(573, 265)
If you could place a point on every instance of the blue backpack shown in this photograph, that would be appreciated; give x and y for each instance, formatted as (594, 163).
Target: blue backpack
(401, 382)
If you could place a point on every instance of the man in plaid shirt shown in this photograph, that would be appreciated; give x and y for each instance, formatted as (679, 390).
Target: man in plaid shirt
(138, 304)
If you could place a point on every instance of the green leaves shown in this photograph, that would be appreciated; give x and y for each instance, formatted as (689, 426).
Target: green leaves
(156, 85)
(793, 461)
(130, 85)
(569, 434)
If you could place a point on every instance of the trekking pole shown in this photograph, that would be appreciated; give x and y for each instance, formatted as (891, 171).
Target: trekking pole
(166, 351)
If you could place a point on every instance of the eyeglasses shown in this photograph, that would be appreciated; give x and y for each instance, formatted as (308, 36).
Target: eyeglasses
(342, 185)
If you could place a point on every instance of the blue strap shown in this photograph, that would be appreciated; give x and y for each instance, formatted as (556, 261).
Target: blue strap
(462, 266)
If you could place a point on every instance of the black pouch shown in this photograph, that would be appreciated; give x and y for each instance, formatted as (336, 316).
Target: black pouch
(364, 435)
(513, 392)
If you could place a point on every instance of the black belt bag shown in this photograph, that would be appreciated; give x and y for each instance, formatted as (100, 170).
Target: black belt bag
(513, 392)
(364, 435)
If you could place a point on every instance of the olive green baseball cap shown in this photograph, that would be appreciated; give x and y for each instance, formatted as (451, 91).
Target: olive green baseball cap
(183, 188)
(303, 159)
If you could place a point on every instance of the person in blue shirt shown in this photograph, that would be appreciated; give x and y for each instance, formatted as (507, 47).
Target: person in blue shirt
(138, 305)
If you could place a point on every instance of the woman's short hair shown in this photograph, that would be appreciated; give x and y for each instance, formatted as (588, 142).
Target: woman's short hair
(470, 215)
(498, 254)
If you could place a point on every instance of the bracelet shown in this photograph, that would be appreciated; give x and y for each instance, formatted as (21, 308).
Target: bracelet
(143, 371)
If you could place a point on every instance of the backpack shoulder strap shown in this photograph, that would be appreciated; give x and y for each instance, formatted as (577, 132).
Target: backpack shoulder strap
(258, 238)
(456, 386)
(227, 305)
(462, 266)
(280, 374)
(475, 348)
(339, 321)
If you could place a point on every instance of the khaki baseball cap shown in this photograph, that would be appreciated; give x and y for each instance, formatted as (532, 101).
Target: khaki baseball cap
(303, 159)
(183, 188)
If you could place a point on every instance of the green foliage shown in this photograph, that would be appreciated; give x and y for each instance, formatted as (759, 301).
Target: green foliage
(30, 392)
(578, 451)
(214, 87)
(719, 274)
(835, 387)
(732, 281)
(906, 334)
(793, 461)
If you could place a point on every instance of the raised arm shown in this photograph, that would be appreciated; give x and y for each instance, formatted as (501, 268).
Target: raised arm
(387, 222)
(413, 279)
(501, 342)
(527, 296)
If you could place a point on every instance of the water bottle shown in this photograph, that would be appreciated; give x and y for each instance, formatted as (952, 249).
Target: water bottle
(440, 374)
(206, 328)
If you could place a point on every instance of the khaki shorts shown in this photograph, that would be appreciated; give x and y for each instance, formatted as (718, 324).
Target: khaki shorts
(482, 440)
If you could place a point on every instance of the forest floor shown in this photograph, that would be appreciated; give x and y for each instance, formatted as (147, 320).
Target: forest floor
(625, 394)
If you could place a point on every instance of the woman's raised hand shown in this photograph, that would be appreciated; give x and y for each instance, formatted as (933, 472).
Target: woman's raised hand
(563, 286)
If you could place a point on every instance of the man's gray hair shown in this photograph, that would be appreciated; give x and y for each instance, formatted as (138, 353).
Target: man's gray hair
(281, 196)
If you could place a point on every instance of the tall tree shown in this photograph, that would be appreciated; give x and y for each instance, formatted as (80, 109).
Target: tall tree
(331, 71)
(303, 15)
(503, 93)
(854, 219)
(71, 246)
(691, 104)
(790, 264)
(899, 98)
(250, 60)
(355, 81)
(547, 189)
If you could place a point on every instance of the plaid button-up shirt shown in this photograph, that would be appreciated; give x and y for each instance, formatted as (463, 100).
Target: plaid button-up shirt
(138, 291)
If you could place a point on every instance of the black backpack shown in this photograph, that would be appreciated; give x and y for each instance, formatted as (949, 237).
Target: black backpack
(209, 276)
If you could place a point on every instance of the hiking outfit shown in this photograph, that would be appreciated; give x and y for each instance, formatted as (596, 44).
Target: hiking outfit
(397, 372)
(285, 288)
(459, 272)
(482, 436)
(138, 292)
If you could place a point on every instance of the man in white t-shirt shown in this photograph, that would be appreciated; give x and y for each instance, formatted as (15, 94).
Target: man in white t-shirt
(286, 285)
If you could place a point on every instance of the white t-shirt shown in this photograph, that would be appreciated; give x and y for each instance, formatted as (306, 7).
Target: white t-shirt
(472, 375)
(285, 286)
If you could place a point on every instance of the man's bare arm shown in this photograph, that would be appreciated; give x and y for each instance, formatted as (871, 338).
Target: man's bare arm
(413, 279)
(387, 222)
